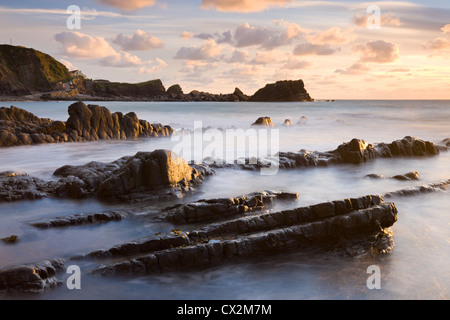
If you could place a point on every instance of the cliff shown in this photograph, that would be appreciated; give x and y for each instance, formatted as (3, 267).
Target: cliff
(24, 70)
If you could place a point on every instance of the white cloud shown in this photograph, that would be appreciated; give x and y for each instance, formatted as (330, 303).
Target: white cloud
(208, 51)
(121, 60)
(140, 40)
(83, 46)
(154, 66)
(446, 28)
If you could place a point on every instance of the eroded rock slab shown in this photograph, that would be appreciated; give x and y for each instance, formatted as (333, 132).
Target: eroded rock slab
(215, 209)
(80, 219)
(33, 278)
(249, 237)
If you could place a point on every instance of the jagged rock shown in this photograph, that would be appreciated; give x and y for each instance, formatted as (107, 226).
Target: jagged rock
(151, 171)
(15, 186)
(32, 278)
(80, 219)
(85, 123)
(282, 91)
(10, 240)
(216, 209)
(263, 121)
(297, 229)
(356, 151)
(287, 123)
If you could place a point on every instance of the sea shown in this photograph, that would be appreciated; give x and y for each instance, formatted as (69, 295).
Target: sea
(417, 268)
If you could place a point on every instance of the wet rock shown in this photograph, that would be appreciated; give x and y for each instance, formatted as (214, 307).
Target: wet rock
(80, 219)
(287, 123)
(15, 186)
(10, 240)
(32, 278)
(375, 176)
(356, 151)
(407, 176)
(151, 171)
(248, 237)
(216, 209)
(263, 121)
(413, 191)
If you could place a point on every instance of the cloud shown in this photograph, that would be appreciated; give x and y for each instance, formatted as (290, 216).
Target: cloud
(294, 64)
(195, 68)
(128, 5)
(68, 64)
(140, 41)
(154, 66)
(186, 35)
(446, 28)
(208, 51)
(386, 20)
(83, 46)
(305, 49)
(438, 44)
(264, 58)
(356, 69)
(377, 51)
(242, 5)
(238, 56)
(121, 60)
(243, 72)
(333, 35)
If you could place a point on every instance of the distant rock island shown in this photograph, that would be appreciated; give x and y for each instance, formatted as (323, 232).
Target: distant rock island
(30, 74)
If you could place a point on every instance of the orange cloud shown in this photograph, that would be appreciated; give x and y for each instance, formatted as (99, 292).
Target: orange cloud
(446, 28)
(386, 20)
(208, 51)
(333, 35)
(377, 51)
(242, 5)
(128, 5)
(82, 46)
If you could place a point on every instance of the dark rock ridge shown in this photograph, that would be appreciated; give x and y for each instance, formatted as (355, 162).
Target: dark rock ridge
(354, 152)
(85, 123)
(156, 174)
(80, 219)
(32, 278)
(250, 237)
(282, 91)
(216, 209)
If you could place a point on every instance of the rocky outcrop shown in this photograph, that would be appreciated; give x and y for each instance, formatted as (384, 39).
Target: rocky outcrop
(24, 71)
(85, 123)
(413, 191)
(31, 278)
(263, 121)
(15, 186)
(282, 91)
(249, 237)
(80, 219)
(152, 89)
(156, 171)
(356, 151)
(216, 209)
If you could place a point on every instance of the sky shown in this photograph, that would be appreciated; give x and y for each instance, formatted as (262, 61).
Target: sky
(340, 49)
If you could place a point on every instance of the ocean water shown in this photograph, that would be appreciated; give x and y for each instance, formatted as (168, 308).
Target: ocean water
(416, 269)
